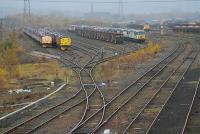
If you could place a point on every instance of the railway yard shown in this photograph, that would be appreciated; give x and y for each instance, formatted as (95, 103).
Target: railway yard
(105, 83)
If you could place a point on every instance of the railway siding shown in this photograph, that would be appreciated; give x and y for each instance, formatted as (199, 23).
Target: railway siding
(172, 117)
(8, 119)
(85, 77)
(120, 98)
(154, 105)
(192, 125)
(136, 103)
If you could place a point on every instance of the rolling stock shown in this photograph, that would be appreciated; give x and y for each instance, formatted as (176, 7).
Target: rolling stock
(63, 42)
(131, 25)
(98, 33)
(113, 35)
(49, 39)
(187, 28)
(146, 27)
(134, 35)
(40, 36)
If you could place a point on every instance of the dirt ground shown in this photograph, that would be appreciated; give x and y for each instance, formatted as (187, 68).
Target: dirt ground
(34, 74)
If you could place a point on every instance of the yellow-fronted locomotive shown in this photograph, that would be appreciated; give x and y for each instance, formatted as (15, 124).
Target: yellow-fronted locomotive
(46, 41)
(61, 41)
(65, 42)
(146, 27)
(40, 36)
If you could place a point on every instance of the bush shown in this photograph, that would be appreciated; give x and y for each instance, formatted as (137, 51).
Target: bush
(141, 55)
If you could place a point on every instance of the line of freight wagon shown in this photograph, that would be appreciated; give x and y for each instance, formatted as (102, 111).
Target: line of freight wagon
(113, 35)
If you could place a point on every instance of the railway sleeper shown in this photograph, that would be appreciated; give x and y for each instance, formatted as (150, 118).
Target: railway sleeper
(83, 131)
(170, 84)
(89, 85)
(145, 79)
(150, 74)
(88, 67)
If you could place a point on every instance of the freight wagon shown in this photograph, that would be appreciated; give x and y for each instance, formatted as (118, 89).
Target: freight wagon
(99, 33)
(187, 28)
(114, 35)
(130, 25)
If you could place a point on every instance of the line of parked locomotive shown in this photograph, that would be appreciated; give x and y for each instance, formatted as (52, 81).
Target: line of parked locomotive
(49, 38)
(113, 35)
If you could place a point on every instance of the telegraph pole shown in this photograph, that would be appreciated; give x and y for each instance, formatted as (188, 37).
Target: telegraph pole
(27, 13)
(1, 28)
(120, 8)
(92, 8)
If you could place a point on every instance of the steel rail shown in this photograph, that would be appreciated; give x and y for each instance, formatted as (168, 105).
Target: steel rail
(96, 88)
(191, 106)
(117, 96)
(151, 125)
(130, 98)
(42, 113)
(86, 41)
(51, 108)
(153, 97)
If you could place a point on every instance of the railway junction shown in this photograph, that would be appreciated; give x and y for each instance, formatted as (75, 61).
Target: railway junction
(120, 87)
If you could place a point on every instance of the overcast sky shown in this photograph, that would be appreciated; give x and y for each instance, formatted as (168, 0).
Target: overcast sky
(132, 6)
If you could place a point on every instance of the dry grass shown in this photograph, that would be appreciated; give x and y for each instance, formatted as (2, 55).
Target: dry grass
(141, 55)
(122, 66)
(47, 71)
(36, 76)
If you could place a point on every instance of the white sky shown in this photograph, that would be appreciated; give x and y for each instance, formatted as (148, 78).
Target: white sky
(135, 6)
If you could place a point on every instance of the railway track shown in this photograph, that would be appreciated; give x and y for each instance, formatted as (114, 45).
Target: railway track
(111, 48)
(85, 51)
(89, 92)
(88, 43)
(127, 93)
(92, 47)
(175, 35)
(92, 86)
(86, 79)
(148, 112)
(178, 107)
(136, 103)
(192, 123)
(79, 98)
(34, 123)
